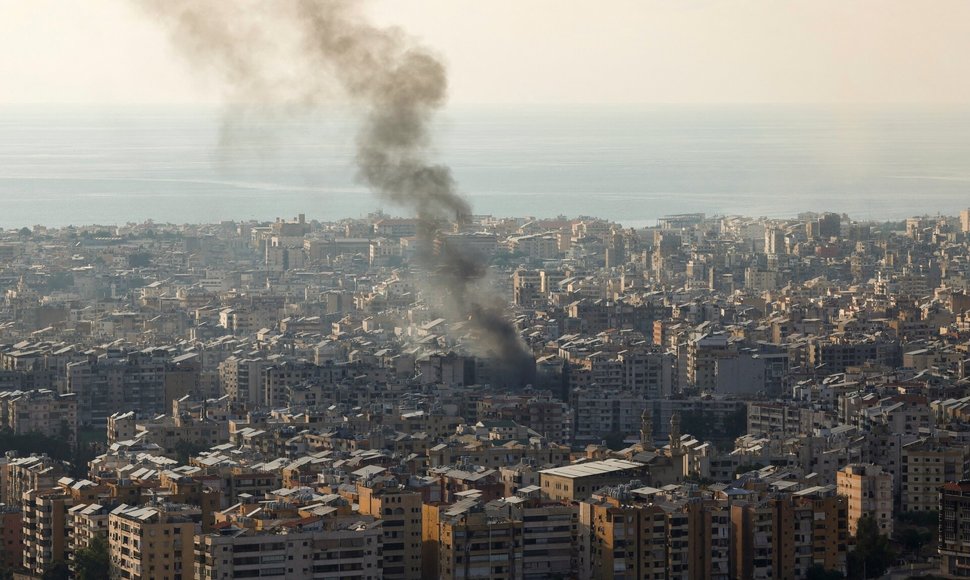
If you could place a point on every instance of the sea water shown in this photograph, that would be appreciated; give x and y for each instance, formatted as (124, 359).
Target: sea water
(64, 165)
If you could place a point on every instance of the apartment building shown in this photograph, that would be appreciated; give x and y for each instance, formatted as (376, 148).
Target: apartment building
(153, 541)
(46, 519)
(622, 540)
(241, 378)
(85, 522)
(118, 381)
(777, 420)
(462, 541)
(544, 415)
(526, 288)
(399, 511)
(22, 474)
(308, 548)
(630, 532)
(548, 529)
(868, 490)
(954, 541)
(927, 464)
(752, 548)
(703, 352)
(11, 536)
(836, 354)
(41, 411)
(785, 535)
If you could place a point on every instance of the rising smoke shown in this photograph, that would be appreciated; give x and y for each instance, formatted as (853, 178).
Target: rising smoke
(296, 54)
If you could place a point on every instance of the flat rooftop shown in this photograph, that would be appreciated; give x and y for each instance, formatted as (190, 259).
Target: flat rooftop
(592, 468)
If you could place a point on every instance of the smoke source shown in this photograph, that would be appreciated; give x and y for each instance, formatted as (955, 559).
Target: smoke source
(296, 54)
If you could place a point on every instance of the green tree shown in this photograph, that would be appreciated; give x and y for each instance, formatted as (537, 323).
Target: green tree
(92, 563)
(818, 572)
(60, 281)
(34, 443)
(139, 260)
(185, 450)
(926, 519)
(80, 457)
(746, 467)
(6, 571)
(872, 554)
(914, 539)
(706, 426)
(57, 571)
(614, 440)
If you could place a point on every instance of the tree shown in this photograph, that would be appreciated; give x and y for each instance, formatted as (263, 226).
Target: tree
(29, 443)
(57, 571)
(92, 563)
(24, 232)
(80, 457)
(185, 450)
(706, 426)
(139, 260)
(746, 467)
(818, 572)
(925, 519)
(872, 554)
(614, 440)
(914, 539)
(60, 281)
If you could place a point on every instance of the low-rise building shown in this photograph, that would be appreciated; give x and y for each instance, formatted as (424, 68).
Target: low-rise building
(580, 480)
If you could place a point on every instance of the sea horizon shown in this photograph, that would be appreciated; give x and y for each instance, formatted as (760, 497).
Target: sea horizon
(110, 165)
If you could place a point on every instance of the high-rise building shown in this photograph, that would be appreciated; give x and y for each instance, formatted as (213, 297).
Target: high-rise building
(785, 535)
(118, 381)
(617, 538)
(152, 542)
(11, 534)
(627, 532)
(868, 490)
(22, 474)
(954, 541)
(42, 411)
(46, 519)
(399, 511)
(547, 533)
(775, 242)
(308, 548)
(829, 225)
(927, 464)
(461, 540)
(242, 379)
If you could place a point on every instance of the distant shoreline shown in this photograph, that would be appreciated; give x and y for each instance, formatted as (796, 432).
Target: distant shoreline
(630, 164)
(626, 225)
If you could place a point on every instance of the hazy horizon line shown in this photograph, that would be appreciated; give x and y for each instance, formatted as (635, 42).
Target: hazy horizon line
(565, 104)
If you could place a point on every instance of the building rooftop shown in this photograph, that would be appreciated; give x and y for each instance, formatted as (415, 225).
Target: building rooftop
(591, 468)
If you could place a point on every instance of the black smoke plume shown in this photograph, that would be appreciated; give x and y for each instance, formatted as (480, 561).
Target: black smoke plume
(299, 54)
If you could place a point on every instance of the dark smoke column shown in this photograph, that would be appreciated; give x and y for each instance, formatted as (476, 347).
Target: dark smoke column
(290, 53)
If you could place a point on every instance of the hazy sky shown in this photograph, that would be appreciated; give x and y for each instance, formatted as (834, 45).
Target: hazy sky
(547, 51)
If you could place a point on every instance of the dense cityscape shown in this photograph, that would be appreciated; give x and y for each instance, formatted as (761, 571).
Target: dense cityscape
(713, 397)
